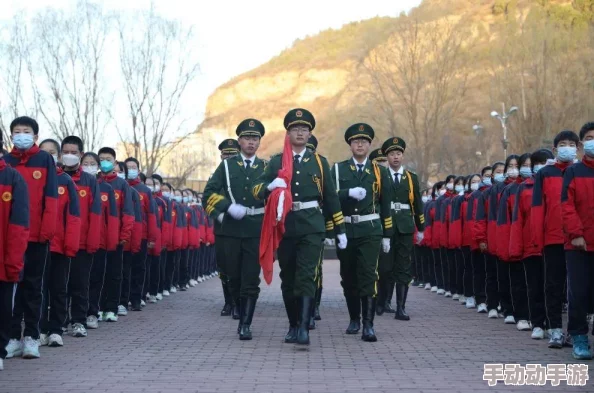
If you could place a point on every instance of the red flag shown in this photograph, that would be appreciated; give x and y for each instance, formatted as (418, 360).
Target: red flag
(273, 224)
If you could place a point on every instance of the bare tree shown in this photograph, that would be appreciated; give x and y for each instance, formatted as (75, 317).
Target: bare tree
(156, 71)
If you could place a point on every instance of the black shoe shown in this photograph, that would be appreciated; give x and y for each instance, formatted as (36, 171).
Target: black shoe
(389, 293)
(317, 316)
(312, 321)
(380, 310)
(381, 297)
(291, 309)
(236, 312)
(136, 306)
(388, 309)
(368, 305)
(291, 337)
(400, 297)
(354, 327)
(248, 305)
(354, 307)
(305, 303)
(226, 311)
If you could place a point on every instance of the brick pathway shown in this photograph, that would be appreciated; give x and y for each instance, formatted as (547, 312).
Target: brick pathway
(182, 345)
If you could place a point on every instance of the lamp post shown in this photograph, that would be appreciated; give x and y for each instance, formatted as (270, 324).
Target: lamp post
(503, 119)
(478, 131)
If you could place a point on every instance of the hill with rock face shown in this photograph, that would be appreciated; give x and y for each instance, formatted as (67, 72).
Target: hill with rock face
(427, 77)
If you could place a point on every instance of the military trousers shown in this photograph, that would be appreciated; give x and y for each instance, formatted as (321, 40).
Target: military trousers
(398, 261)
(358, 266)
(219, 247)
(298, 258)
(242, 265)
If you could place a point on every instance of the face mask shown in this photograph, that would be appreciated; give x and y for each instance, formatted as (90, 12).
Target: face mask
(106, 166)
(91, 169)
(589, 148)
(538, 167)
(55, 157)
(475, 186)
(156, 189)
(499, 178)
(442, 192)
(459, 189)
(185, 199)
(487, 181)
(513, 173)
(566, 153)
(525, 172)
(132, 174)
(122, 175)
(70, 159)
(177, 198)
(166, 194)
(23, 141)
(425, 199)
(450, 186)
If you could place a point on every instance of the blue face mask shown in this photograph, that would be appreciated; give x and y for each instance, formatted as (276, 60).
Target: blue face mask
(566, 153)
(166, 194)
(186, 199)
(106, 166)
(487, 181)
(121, 175)
(177, 198)
(132, 174)
(23, 141)
(538, 167)
(589, 148)
(499, 177)
(525, 172)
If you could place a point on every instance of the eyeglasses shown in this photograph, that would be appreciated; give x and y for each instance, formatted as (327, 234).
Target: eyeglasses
(299, 130)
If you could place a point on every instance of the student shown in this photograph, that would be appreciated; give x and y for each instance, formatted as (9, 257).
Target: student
(447, 264)
(63, 246)
(473, 183)
(39, 171)
(13, 243)
(454, 242)
(577, 203)
(547, 234)
(158, 254)
(439, 189)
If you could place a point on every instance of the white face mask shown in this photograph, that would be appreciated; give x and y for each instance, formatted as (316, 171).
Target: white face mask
(70, 160)
(55, 157)
(475, 186)
(425, 199)
(166, 194)
(459, 189)
(450, 186)
(513, 173)
(122, 175)
(91, 169)
(442, 192)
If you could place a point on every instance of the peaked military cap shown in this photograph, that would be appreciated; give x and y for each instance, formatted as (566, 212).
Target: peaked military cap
(312, 143)
(359, 131)
(229, 146)
(250, 127)
(393, 144)
(299, 116)
(377, 155)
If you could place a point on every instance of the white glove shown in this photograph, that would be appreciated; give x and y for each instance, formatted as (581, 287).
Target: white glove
(276, 183)
(237, 211)
(342, 241)
(357, 193)
(328, 242)
(220, 217)
(386, 245)
(420, 237)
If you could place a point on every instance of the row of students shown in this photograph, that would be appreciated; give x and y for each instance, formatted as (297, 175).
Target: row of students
(86, 238)
(516, 241)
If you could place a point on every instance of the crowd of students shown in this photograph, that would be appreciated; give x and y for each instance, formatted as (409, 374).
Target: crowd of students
(85, 238)
(517, 240)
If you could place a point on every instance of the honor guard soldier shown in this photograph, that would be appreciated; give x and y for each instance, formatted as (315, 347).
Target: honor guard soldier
(301, 248)
(228, 148)
(312, 144)
(407, 212)
(378, 157)
(240, 217)
(365, 194)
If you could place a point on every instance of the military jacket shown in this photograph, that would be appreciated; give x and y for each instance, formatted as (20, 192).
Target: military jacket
(407, 193)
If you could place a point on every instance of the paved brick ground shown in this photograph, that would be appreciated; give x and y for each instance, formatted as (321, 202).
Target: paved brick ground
(182, 345)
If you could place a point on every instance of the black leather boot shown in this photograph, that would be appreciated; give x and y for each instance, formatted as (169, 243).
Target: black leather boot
(248, 306)
(400, 295)
(291, 308)
(226, 311)
(368, 305)
(236, 312)
(381, 297)
(317, 316)
(312, 320)
(406, 287)
(241, 313)
(389, 295)
(305, 307)
(354, 306)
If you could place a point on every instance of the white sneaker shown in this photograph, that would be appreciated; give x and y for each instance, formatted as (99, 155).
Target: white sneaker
(448, 294)
(1, 364)
(55, 340)
(482, 308)
(110, 317)
(428, 286)
(173, 290)
(216, 273)
(439, 291)
(537, 333)
(142, 303)
(523, 325)
(510, 320)
(456, 297)
(43, 339)
(14, 348)
(100, 317)
(159, 296)
(462, 299)
(78, 330)
(30, 348)
(153, 299)
(122, 311)
(92, 322)
(193, 282)
(200, 280)
(421, 285)
(493, 314)
(165, 292)
(471, 303)
(147, 296)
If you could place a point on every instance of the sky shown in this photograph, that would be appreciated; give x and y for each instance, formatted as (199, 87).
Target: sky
(235, 36)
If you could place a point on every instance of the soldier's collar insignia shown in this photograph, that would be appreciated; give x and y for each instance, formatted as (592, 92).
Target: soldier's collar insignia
(254, 166)
(352, 167)
(305, 159)
(367, 171)
(403, 177)
(240, 163)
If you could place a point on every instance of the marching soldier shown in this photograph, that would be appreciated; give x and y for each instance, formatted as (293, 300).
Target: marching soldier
(240, 217)
(378, 157)
(305, 229)
(365, 194)
(407, 211)
(228, 148)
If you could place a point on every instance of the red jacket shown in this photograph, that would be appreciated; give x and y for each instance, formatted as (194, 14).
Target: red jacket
(435, 225)
(124, 205)
(177, 217)
(428, 210)
(444, 203)
(200, 215)
(39, 171)
(194, 236)
(545, 216)
(210, 237)
(475, 200)
(467, 221)
(158, 247)
(504, 213)
(89, 199)
(520, 246)
(14, 223)
(455, 222)
(109, 227)
(481, 216)
(186, 230)
(577, 203)
(149, 214)
(136, 238)
(66, 241)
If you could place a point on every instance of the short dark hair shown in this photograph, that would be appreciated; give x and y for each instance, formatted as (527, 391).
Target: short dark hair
(469, 179)
(485, 169)
(497, 165)
(107, 150)
(565, 135)
(73, 140)
(523, 158)
(167, 185)
(585, 129)
(509, 159)
(450, 177)
(91, 154)
(25, 121)
(436, 187)
(158, 178)
(134, 160)
(459, 179)
(55, 142)
(123, 168)
(142, 177)
(541, 156)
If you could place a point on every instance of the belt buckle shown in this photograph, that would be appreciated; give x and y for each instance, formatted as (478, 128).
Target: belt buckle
(355, 219)
(250, 211)
(397, 206)
(296, 206)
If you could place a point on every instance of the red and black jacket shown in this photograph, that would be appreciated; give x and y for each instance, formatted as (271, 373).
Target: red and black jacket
(444, 211)
(481, 217)
(494, 198)
(66, 241)
(89, 199)
(545, 216)
(520, 246)
(430, 229)
(149, 214)
(210, 237)
(165, 220)
(136, 239)
(504, 214)
(158, 246)
(200, 216)
(193, 236)
(466, 222)
(177, 217)
(109, 227)
(39, 171)
(455, 222)
(472, 225)
(124, 205)
(577, 203)
(14, 223)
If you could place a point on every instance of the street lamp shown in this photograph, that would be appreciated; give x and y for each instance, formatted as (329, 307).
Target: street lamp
(478, 130)
(503, 119)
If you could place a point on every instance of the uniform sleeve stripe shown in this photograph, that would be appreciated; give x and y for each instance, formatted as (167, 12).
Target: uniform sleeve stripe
(338, 222)
(337, 215)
